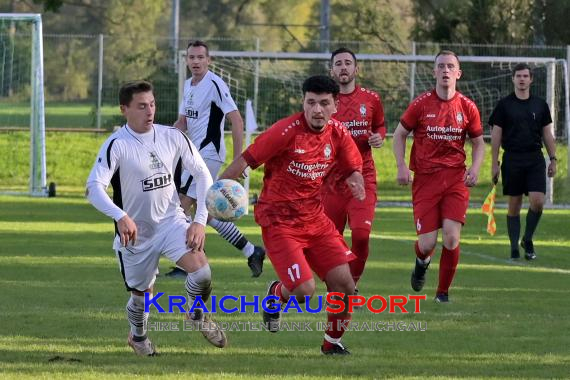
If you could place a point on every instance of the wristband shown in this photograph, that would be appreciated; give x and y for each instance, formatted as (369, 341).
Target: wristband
(553, 158)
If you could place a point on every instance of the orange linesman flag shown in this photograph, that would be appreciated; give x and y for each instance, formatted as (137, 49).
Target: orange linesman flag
(488, 209)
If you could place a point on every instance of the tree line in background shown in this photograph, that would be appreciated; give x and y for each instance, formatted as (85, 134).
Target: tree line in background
(539, 22)
(137, 31)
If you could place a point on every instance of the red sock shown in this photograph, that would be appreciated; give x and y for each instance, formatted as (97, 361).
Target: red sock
(360, 239)
(278, 291)
(336, 325)
(420, 254)
(447, 265)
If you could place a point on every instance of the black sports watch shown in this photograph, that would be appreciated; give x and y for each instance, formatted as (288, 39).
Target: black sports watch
(553, 158)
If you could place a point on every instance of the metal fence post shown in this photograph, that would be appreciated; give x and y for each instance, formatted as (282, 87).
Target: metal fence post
(100, 81)
(413, 73)
(256, 78)
(567, 93)
(551, 100)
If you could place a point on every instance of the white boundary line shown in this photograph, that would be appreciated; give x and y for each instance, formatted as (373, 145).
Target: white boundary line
(483, 256)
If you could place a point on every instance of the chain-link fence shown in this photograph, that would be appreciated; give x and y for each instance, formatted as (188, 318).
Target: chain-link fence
(83, 74)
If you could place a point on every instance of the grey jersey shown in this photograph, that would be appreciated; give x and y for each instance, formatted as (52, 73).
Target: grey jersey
(143, 170)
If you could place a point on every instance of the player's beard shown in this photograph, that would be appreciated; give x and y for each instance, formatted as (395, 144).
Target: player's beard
(317, 128)
(346, 78)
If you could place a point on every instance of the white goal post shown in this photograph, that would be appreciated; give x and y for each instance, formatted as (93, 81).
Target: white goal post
(38, 180)
(548, 62)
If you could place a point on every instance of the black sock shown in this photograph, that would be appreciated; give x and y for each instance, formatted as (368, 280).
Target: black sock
(230, 232)
(514, 230)
(532, 219)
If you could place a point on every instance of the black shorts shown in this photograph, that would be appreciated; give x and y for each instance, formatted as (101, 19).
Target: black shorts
(523, 173)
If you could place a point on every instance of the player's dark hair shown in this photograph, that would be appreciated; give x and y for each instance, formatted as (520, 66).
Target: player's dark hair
(198, 43)
(447, 52)
(130, 88)
(321, 84)
(520, 67)
(340, 51)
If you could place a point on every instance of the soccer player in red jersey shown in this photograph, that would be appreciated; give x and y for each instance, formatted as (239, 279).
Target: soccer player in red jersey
(299, 238)
(361, 112)
(440, 119)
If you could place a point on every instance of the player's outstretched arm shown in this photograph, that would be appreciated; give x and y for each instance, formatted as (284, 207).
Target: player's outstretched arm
(375, 140)
(355, 183)
(195, 164)
(550, 143)
(404, 176)
(180, 123)
(477, 155)
(235, 169)
(237, 131)
(496, 139)
(99, 198)
(196, 237)
(127, 230)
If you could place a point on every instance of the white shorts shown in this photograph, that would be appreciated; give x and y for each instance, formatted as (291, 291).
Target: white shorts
(139, 263)
(188, 186)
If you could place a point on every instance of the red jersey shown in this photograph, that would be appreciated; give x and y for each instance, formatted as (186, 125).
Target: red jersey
(362, 113)
(440, 128)
(296, 161)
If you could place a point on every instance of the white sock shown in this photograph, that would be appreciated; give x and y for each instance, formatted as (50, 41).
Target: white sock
(426, 261)
(248, 249)
(136, 316)
(332, 340)
(198, 283)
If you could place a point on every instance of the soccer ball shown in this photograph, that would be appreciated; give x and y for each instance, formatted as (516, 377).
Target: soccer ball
(226, 200)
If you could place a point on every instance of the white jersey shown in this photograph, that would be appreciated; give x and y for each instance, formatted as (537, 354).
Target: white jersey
(144, 170)
(205, 106)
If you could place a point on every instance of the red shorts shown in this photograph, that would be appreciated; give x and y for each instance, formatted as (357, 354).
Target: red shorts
(297, 251)
(360, 214)
(437, 196)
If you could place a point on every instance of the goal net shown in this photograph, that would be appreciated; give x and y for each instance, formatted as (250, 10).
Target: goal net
(22, 96)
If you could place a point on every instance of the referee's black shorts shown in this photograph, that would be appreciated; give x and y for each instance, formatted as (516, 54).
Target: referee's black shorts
(523, 172)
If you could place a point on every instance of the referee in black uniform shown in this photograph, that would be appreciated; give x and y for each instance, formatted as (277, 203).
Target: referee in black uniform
(520, 123)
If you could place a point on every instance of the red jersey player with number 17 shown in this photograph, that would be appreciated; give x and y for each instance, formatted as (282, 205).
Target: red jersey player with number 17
(299, 238)
(441, 119)
(360, 111)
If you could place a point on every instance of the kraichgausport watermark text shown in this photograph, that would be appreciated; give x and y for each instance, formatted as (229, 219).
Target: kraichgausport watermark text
(334, 302)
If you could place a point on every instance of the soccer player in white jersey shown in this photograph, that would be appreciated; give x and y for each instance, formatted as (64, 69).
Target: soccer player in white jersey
(141, 161)
(204, 107)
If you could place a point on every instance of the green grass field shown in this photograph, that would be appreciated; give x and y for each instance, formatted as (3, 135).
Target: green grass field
(58, 115)
(71, 155)
(63, 316)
